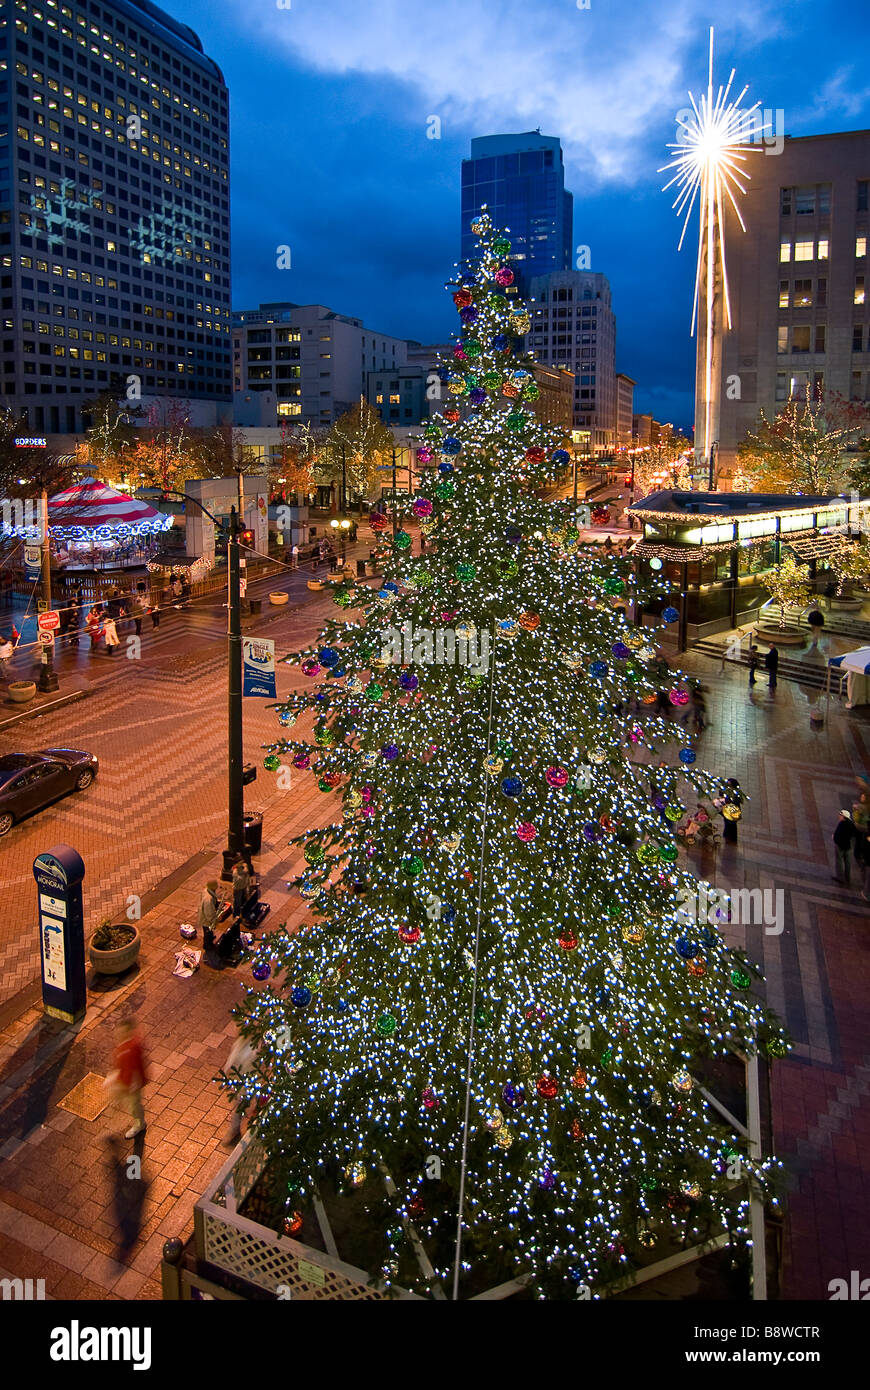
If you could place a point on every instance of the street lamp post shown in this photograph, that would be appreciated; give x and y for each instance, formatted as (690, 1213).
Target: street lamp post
(235, 849)
(48, 676)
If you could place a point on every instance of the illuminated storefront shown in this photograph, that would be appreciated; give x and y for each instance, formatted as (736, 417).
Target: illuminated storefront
(714, 547)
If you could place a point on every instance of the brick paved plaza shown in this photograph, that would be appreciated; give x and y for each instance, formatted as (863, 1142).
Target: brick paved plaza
(152, 826)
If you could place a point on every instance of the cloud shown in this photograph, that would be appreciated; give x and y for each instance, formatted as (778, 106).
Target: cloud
(601, 79)
(843, 93)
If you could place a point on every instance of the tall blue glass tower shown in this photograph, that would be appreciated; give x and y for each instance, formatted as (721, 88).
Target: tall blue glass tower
(521, 179)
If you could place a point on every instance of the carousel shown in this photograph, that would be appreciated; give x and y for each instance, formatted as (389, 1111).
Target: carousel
(99, 535)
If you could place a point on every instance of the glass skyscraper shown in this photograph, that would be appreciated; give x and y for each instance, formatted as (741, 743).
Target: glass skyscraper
(114, 209)
(521, 180)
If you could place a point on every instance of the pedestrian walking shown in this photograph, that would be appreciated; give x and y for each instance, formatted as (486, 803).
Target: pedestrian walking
(6, 653)
(861, 821)
(698, 707)
(753, 660)
(110, 632)
(241, 886)
(843, 837)
(242, 1059)
(771, 663)
(662, 705)
(155, 611)
(185, 588)
(94, 625)
(294, 557)
(209, 912)
(139, 605)
(131, 1074)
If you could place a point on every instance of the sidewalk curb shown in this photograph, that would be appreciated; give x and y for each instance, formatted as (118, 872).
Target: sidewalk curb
(32, 711)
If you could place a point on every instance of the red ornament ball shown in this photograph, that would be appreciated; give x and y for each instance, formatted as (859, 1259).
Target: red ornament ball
(408, 934)
(462, 298)
(548, 1087)
(378, 521)
(526, 832)
(556, 776)
(293, 1223)
(535, 455)
(568, 941)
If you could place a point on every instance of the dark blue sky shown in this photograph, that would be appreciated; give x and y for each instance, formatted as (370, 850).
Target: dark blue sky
(329, 103)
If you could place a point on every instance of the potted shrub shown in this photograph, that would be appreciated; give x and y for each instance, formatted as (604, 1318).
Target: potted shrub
(278, 599)
(113, 948)
(21, 691)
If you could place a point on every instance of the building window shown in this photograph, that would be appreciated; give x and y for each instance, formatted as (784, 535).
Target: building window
(785, 203)
(783, 294)
(858, 337)
(861, 199)
(855, 391)
(785, 251)
(859, 289)
(805, 201)
(782, 338)
(821, 291)
(860, 246)
(822, 252)
(803, 294)
(803, 250)
(781, 386)
(820, 338)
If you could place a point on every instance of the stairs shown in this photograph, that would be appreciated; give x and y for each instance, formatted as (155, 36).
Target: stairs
(813, 673)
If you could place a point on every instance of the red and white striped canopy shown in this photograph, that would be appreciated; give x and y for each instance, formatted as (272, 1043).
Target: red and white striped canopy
(92, 506)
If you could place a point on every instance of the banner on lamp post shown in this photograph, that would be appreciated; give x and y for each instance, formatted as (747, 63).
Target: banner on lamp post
(258, 667)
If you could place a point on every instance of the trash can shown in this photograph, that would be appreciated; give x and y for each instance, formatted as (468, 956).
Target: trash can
(253, 821)
(256, 606)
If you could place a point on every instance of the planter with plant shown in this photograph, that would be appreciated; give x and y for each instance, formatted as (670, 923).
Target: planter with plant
(114, 947)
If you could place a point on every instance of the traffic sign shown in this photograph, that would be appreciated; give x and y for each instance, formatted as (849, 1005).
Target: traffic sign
(48, 622)
(46, 638)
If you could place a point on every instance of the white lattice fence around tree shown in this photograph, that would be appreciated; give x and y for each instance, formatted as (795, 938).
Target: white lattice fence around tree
(282, 1266)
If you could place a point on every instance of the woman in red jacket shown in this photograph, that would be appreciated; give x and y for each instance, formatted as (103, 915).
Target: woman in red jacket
(130, 1066)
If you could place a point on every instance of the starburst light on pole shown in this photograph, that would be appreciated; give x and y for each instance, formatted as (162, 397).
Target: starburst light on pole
(712, 147)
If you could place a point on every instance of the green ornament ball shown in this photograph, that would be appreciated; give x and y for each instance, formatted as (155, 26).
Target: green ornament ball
(607, 1057)
(470, 380)
(613, 586)
(421, 578)
(668, 854)
(386, 1025)
(272, 763)
(492, 380)
(433, 431)
(324, 786)
(465, 572)
(515, 421)
(344, 600)
(509, 568)
(481, 1016)
(445, 489)
(373, 691)
(401, 540)
(504, 749)
(673, 813)
(777, 1047)
(501, 246)
(614, 909)
(496, 301)
(473, 682)
(472, 347)
(324, 737)
(740, 979)
(314, 854)
(412, 865)
(648, 854)
(531, 391)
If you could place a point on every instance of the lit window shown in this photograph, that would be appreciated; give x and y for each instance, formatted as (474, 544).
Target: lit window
(861, 246)
(782, 339)
(859, 289)
(783, 294)
(822, 253)
(785, 250)
(803, 250)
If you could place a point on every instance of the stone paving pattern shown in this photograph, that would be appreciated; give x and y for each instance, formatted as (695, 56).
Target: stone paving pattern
(70, 1215)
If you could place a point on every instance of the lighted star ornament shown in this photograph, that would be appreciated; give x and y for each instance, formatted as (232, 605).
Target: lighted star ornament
(712, 146)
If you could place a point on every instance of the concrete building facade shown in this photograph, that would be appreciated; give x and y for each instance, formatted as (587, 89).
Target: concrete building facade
(574, 327)
(624, 410)
(315, 360)
(114, 212)
(798, 283)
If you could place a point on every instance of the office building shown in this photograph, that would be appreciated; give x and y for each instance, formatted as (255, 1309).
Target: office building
(520, 179)
(315, 360)
(399, 395)
(574, 327)
(114, 204)
(624, 410)
(797, 280)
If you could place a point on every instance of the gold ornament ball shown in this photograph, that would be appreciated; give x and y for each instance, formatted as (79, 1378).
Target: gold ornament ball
(504, 1138)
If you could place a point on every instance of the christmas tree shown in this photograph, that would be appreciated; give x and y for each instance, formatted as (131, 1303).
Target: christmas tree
(487, 1030)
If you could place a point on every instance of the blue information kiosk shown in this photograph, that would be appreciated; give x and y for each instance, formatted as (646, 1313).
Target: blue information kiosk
(59, 873)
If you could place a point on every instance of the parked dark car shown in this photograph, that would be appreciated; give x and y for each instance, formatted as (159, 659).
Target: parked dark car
(29, 781)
